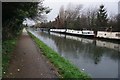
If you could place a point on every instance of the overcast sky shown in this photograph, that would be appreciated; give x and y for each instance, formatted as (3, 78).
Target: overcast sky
(110, 5)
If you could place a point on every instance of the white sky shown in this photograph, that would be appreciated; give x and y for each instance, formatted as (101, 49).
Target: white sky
(28, 22)
(110, 5)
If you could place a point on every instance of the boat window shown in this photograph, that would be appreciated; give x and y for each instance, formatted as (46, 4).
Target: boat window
(118, 35)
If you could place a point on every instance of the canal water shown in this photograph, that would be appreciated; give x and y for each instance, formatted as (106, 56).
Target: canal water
(99, 59)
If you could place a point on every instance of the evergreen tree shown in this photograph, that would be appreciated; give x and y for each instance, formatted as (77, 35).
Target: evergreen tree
(102, 17)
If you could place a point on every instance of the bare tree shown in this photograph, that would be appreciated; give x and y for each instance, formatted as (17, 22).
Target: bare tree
(66, 17)
(91, 15)
(61, 16)
(72, 12)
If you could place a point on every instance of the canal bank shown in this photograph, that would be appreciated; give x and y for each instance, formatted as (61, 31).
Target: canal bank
(65, 68)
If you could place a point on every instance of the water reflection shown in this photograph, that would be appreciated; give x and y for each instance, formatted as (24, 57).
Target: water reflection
(98, 58)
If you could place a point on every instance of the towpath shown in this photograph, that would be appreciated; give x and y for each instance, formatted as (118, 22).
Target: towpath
(28, 61)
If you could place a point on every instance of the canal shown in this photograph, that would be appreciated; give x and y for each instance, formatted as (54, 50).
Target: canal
(99, 59)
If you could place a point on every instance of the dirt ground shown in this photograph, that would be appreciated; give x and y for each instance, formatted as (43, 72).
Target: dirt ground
(28, 62)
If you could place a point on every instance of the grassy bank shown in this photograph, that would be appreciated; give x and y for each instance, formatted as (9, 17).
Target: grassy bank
(7, 49)
(65, 68)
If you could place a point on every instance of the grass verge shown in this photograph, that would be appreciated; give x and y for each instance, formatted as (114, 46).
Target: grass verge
(7, 49)
(65, 68)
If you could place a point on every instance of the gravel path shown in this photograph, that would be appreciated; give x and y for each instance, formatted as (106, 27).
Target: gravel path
(28, 61)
